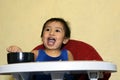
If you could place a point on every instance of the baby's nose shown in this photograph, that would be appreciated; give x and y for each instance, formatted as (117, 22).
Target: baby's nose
(51, 32)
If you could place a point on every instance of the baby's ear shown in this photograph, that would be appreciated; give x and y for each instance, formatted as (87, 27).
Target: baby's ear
(65, 40)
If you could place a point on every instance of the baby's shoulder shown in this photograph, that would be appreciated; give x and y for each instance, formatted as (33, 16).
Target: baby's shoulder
(35, 52)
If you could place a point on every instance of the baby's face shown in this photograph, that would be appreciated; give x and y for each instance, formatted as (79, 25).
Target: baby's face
(53, 35)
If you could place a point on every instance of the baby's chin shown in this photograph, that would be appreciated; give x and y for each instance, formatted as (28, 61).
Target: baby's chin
(52, 47)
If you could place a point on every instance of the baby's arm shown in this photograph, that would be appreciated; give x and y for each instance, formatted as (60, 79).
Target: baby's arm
(14, 49)
(35, 52)
(70, 56)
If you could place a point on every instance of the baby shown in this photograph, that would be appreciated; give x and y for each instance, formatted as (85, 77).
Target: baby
(55, 34)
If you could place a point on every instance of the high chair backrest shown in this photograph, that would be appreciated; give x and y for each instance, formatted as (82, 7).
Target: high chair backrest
(79, 49)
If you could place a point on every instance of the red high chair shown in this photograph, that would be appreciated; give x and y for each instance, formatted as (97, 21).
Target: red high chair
(81, 51)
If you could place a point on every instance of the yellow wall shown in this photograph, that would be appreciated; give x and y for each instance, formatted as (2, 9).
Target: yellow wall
(96, 22)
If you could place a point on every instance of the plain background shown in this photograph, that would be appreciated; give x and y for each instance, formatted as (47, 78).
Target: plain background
(96, 22)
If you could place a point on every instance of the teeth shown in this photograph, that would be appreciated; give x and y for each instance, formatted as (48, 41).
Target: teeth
(51, 39)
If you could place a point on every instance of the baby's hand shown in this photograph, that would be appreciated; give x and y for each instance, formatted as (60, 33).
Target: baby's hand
(14, 49)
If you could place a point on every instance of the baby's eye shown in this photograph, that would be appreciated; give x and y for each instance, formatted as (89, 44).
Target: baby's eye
(47, 29)
(58, 30)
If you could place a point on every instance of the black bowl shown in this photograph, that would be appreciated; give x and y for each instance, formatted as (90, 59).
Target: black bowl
(20, 57)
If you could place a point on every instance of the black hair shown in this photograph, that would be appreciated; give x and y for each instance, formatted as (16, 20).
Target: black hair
(64, 23)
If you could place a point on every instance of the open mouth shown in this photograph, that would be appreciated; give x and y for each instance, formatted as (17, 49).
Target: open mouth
(51, 41)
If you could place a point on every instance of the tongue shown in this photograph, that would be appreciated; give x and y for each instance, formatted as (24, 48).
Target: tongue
(51, 42)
